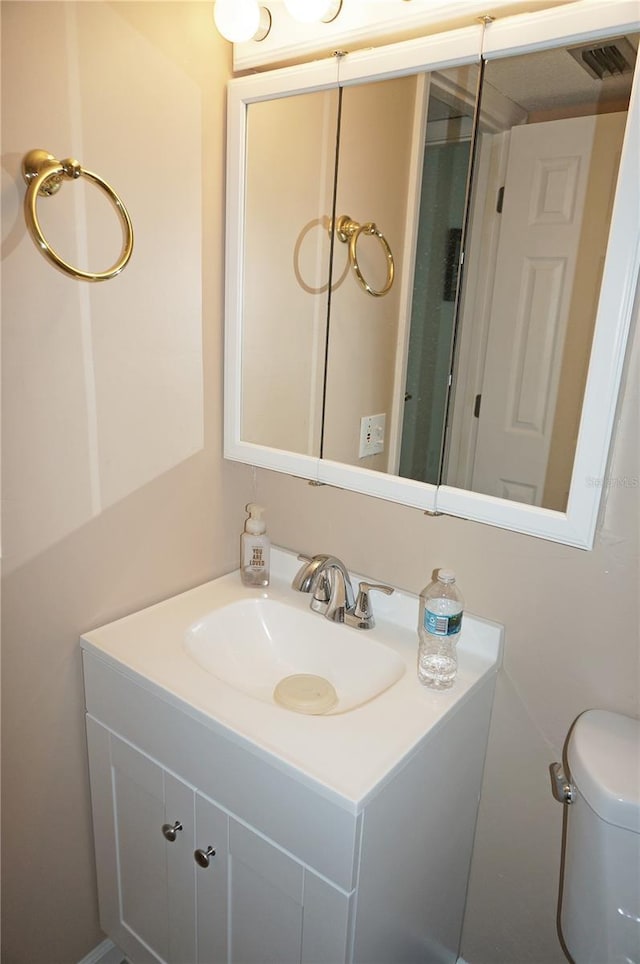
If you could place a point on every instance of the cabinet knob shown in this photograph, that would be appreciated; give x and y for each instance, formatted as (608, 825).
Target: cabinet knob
(170, 830)
(202, 856)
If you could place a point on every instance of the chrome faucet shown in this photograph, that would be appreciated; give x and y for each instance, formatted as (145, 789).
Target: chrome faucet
(326, 577)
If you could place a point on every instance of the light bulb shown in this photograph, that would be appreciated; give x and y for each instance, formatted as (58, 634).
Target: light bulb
(241, 20)
(313, 11)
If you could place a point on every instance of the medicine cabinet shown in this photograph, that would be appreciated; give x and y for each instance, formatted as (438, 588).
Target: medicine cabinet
(432, 258)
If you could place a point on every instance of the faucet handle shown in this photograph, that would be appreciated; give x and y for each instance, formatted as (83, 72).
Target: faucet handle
(363, 611)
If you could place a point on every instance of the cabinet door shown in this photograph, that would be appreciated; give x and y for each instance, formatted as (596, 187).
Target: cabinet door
(278, 911)
(146, 882)
(266, 889)
(243, 900)
(212, 832)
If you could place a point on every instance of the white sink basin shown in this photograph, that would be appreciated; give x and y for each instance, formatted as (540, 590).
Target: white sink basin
(253, 644)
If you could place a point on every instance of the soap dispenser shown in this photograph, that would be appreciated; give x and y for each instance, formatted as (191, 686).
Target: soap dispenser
(254, 548)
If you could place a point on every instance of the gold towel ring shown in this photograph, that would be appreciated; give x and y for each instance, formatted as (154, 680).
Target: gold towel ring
(43, 174)
(349, 230)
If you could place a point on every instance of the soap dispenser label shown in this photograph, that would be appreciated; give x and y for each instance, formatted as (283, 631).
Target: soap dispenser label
(256, 558)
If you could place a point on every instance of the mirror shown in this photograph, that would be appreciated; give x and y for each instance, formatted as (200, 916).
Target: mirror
(423, 393)
(291, 145)
(546, 167)
(403, 164)
(338, 346)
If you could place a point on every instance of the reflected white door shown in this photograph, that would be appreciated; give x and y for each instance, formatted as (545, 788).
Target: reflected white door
(549, 173)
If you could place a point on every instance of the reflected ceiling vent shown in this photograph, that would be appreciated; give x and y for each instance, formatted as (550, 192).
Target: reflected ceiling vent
(607, 59)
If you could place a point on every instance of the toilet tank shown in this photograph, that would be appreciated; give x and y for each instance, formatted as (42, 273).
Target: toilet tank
(600, 904)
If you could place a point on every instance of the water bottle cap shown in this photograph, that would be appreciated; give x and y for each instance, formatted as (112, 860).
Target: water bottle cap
(446, 575)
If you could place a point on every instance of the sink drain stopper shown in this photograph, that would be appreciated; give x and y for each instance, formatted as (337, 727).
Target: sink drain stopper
(306, 693)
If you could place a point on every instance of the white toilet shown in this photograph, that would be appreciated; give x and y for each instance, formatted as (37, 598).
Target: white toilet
(600, 899)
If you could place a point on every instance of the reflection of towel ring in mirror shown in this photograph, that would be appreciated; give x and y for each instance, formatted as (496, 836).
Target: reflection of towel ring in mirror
(348, 230)
(44, 174)
(324, 223)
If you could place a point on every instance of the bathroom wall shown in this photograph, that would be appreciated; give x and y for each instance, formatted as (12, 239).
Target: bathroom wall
(115, 492)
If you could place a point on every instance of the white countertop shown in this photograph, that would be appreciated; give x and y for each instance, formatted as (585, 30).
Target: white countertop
(344, 756)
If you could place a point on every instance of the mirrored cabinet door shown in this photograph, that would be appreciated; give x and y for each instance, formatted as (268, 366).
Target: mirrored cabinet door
(372, 188)
(290, 151)
(403, 167)
(546, 170)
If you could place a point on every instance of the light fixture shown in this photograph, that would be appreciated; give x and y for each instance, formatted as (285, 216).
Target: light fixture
(313, 11)
(241, 20)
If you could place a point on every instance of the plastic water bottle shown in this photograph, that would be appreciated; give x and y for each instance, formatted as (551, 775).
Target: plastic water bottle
(441, 607)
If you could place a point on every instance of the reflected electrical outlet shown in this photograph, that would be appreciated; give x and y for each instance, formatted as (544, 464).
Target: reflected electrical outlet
(371, 435)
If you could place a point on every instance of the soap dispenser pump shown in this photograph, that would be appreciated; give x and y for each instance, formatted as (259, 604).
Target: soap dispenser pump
(254, 549)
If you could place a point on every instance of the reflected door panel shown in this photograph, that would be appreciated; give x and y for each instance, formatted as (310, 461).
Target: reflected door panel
(549, 169)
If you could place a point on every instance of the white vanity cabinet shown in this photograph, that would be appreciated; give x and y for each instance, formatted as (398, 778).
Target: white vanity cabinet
(253, 901)
(340, 839)
(182, 881)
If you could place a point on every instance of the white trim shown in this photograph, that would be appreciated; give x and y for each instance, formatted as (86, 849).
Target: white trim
(574, 23)
(451, 49)
(420, 495)
(360, 23)
(104, 953)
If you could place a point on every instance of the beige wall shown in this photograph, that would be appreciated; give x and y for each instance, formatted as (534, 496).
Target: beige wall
(116, 493)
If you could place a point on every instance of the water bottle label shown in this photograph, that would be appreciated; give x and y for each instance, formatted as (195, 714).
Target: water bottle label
(438, 625)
